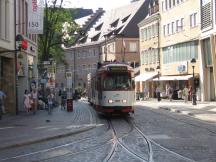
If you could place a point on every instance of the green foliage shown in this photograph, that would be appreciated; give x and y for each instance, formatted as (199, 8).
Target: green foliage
(55, 35)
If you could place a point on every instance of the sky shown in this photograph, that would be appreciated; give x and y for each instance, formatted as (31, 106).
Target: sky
(95, 4)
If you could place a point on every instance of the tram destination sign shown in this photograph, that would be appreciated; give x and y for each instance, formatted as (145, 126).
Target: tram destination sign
(117, 68)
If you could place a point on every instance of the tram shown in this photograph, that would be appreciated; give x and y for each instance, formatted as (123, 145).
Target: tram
(112, 88)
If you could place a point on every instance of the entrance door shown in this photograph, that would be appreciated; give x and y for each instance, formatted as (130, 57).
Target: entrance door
(212, 86)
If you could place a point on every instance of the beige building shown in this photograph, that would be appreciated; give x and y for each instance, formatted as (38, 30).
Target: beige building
(179, 42)
(7, 53)
(25, 61)
(208, 49)
(149, 50)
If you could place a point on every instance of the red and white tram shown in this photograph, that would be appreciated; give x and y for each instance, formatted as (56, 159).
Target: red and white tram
(112, 88)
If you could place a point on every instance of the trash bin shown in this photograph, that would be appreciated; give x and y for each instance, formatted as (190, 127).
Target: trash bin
(69, 104)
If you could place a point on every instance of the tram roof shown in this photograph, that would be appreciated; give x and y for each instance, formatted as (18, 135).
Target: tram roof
(105, 66)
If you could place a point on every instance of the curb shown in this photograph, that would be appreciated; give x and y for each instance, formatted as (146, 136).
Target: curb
(46, 138)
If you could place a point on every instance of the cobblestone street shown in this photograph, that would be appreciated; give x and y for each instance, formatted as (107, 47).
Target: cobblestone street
(151, 134)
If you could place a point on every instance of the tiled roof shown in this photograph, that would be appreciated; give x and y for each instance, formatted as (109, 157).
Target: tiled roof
(113, 21)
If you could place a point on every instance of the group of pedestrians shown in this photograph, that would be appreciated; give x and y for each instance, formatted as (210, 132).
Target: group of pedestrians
(185, 94)
(31, 100)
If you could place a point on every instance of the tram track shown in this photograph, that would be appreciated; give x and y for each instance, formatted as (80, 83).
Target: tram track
(150, 142)
(118, 141)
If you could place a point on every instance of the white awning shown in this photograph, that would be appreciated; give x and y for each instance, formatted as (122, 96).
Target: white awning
(178, 77)
(144, 77)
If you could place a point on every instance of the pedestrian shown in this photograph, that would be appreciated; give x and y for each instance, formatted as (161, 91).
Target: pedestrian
(63, 99)
(50, 100)
(34, 97)
(2, 98)
(27, 101)
(185, 93)
(158, 92)
(146, 93)
(170, 93)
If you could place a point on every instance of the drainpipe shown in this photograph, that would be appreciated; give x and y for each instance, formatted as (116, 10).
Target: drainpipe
(15, 60)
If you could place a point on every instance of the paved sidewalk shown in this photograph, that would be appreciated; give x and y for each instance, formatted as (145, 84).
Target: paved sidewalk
(27, 129)
(205, 111)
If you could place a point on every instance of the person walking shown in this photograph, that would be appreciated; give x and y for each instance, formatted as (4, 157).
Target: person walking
(170, 93)
(50, 99)
(63, 99)
(146, 93)
(158, 92)
(27, 101)
(185, 93)
(2, 98)
(34, 97)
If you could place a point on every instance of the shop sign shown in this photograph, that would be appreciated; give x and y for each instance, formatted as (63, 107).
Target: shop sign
(182, 68)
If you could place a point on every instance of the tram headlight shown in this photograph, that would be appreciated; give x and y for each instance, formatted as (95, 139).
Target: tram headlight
(124, 101)
(110, 101)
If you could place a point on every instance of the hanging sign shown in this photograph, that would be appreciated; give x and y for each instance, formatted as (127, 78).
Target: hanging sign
(35, 16)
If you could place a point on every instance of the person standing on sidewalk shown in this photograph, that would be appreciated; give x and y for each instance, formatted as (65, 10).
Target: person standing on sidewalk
(146, 93)
(34, 97)
(170, 93)
(27, 103)
(158, 92)
(185, 93)
(50, 99)
(2, 98)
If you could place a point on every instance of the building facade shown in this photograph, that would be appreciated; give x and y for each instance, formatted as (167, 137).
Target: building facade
(7, 53)
(18, 68)
(208, 49)
(27, 72)
(149, 50)
(180, 44)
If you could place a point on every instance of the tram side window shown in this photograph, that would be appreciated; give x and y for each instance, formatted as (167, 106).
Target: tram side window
(99, 83)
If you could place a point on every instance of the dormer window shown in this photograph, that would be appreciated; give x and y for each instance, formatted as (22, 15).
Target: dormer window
(153, 7)
(125, 19)
(97, 28)
(114, 24)
(96, 37)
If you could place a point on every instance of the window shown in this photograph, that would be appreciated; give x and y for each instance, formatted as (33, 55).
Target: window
(156, 28)
(174, 2)
(180, 52)
(193, 22)
(166, 5)
(163, 6)
(173, 28)
(168, 29)
(164, 30)
(133, 47)
(4, 19)
(177, 25)
(145, 34)
(182, 24)
(170, 3)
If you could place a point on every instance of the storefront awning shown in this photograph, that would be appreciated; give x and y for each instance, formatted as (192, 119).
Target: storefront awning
(144, 77)
(178, 77)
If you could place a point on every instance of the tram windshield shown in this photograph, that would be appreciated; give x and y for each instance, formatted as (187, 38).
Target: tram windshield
(117, 82)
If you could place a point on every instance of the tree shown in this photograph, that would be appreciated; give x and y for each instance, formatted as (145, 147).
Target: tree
(59, 29)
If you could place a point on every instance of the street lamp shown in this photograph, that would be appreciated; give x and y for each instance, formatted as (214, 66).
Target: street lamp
(158, 70)
(193, 61)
